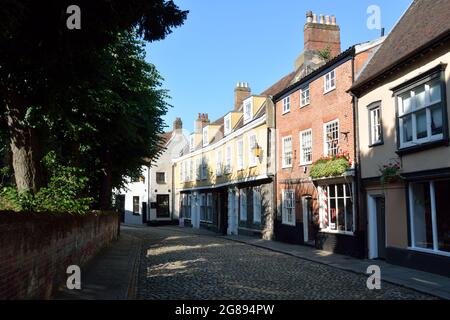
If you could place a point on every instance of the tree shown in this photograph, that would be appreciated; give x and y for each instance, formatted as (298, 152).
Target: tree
(41, 60)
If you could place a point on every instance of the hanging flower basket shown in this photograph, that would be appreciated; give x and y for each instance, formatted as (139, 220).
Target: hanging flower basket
(390, 173)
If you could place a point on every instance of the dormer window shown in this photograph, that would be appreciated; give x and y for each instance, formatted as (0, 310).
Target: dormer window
(227, 124)
(248, 111)
(205, 136)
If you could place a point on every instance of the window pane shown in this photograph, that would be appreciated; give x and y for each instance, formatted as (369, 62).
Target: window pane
(435, 92)
(349, 214)
(436, 120)
(406, 103)
(341, 215)
(421, 124)
(407, 128)
(333, 225)
(332, 191)
(423, 230)
(442, 192)
(420, 97)
(340, 188)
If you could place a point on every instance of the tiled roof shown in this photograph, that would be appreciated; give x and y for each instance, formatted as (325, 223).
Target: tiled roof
(165, 137)
(423, 22)
(282, 84)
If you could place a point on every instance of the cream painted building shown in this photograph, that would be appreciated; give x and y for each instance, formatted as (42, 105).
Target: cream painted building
(224, 179)
(403, 122)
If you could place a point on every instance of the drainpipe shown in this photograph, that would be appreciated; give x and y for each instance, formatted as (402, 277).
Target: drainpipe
(358, 182)
(275, 168)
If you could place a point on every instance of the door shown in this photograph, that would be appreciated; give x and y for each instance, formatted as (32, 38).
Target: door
(162, 206)
(233, 206)
(308, 228)
(381, 227)
(377, 227)
(144, 212)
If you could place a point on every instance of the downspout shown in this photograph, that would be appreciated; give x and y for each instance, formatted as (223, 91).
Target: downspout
(275, 168)
(357, 157)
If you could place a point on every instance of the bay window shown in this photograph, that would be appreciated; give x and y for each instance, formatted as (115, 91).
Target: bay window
(429, 216)
(421, 117)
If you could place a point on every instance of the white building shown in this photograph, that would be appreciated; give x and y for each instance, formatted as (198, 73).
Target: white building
(149, 198)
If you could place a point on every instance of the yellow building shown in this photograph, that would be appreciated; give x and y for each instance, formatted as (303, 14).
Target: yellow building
(224, 178)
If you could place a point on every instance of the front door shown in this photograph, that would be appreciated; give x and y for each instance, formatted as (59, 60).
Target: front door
(381, 227)
(162, 206)
(308, 229)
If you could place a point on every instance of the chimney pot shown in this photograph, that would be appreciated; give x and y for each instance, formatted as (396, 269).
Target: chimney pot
(314, 18)
(327, 20)
(333, 20)
(322, 19)
(309, 16)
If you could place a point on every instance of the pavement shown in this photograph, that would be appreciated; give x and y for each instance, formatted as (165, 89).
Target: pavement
(176, 263)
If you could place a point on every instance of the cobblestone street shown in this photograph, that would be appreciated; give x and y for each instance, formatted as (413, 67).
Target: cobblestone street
(182, 265)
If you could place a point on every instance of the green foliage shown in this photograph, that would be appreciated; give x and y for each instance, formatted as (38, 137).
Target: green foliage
(64, 192)
(390, 173)
(325, 54)
(329, 167)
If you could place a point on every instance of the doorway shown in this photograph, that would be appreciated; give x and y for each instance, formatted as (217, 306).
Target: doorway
(308, 223)
(162, 206)
(377, 227)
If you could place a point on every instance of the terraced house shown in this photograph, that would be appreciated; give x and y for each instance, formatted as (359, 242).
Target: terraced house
(403, 131)
(224, 179)
(316, 155)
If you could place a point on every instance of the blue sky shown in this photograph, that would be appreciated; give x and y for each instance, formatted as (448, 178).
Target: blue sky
(257, 41)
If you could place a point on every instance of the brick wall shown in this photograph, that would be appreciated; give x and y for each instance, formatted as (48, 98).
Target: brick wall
(36, 249)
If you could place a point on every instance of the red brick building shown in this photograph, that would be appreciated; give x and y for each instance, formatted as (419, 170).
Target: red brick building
(316, 164)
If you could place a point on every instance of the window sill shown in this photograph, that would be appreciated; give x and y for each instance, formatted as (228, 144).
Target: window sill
(305, 164)
(304, 106)
(286, 167)
(377, 144)
(288, 224)
(430, 251)
(286, 112)
(345, 233)
(423, 147)
(328, 91)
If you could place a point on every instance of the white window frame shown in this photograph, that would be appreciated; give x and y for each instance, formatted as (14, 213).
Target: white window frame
(305, 100)
(198, 166)
(375, 127)
(252, 159)
(283, 152)
(435, 249)
(205, 135)
(243, 204)
(257, 205)
(228, 158)
(240, 154)
(227, 124)
(325, 144)
(327, 211)
(302, 151)
(219, 163)
(204, 168)
(329, 81)
(288, 212)
(287, 104)
(413, 112)
(248, 110)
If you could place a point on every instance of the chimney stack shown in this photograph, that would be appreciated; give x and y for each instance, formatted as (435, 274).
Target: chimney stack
(241, 92)
(201, 122)
(322, 34)
(177, 124)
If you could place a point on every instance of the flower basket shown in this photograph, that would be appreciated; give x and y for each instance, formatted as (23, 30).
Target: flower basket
(330, 166)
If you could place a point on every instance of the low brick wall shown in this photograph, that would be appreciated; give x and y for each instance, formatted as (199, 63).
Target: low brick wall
(36, 249)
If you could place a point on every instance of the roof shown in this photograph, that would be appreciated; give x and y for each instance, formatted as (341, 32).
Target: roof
(349, 52)
(280, 85)
(423, 23)
(165, 137)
